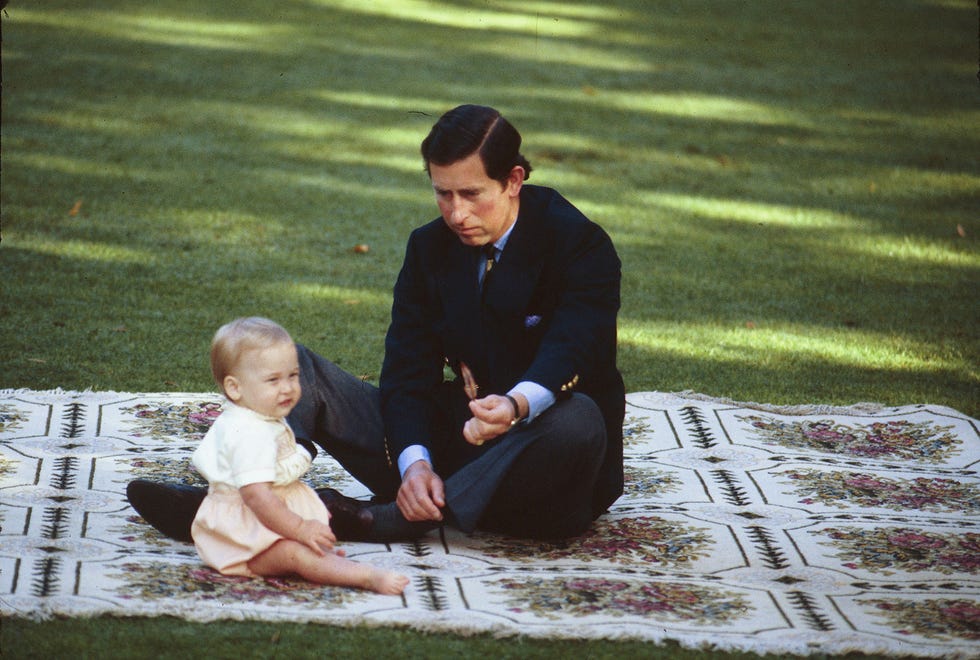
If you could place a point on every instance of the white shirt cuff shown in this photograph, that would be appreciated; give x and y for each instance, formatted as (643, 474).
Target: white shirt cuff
(411, 454)
(538, 398)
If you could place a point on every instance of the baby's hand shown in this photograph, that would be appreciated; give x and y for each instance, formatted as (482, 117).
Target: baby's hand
(316, 535)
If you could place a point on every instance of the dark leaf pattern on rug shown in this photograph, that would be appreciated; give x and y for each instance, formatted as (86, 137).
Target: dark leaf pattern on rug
(936, 618)
(553, 597)
(862, 489)
(892, 439)
(883, 549)
(650, 540)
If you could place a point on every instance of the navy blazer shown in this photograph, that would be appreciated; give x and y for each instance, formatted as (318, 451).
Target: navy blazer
(548, 315)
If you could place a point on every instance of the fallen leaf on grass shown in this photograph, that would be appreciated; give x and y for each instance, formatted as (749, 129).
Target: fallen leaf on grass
(76, 208)
(361, 248)
(961, 230)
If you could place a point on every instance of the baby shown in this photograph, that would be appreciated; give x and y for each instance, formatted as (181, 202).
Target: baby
(258, 518)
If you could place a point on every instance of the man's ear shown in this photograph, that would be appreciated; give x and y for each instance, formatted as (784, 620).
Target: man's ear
(515, 180)
(232, 389)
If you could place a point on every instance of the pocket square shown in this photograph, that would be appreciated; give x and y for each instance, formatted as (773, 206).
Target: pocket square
(531, 321)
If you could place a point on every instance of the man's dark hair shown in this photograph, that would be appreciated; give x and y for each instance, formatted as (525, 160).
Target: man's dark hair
(467, 129)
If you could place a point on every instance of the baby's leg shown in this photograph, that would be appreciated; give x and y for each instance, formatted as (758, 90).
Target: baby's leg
(287, 557)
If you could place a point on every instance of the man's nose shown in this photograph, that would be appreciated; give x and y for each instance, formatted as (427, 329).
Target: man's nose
(459, 211)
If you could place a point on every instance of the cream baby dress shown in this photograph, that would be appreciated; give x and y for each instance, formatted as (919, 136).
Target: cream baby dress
(244, 447)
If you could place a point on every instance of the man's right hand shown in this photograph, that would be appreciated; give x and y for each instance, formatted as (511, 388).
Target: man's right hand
(422, 494)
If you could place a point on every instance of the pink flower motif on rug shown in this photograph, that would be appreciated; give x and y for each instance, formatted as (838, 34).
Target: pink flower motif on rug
(156, 580)
(857, 489)
(166, 468)
(882, 549)
(134, 530)
(625, 540)
(644, 481)
(892, 439)
(939, 618)
(553, 597)
(179, 421)
(635, 430)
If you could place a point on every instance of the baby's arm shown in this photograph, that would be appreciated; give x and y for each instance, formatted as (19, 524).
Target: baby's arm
(274, 514)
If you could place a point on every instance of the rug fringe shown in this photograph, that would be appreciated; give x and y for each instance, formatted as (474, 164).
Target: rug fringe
(788, 409)
(803, 644)
(858, 408)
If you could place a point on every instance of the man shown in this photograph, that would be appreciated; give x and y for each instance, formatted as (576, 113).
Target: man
(516, 292)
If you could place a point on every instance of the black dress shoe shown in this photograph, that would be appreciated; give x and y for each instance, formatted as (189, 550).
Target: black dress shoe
(168, 508)
(350, 519)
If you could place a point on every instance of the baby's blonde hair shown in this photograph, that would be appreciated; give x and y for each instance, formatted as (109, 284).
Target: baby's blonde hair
(244, 334)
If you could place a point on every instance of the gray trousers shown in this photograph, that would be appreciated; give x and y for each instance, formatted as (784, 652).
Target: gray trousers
(536, 482)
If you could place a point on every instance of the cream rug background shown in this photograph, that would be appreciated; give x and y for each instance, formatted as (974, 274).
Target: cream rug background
(784, 530)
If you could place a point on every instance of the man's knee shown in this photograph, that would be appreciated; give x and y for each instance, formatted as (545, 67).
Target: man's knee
(577, 424)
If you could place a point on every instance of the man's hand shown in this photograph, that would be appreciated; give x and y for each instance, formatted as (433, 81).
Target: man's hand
(422, 493)
(492, 416)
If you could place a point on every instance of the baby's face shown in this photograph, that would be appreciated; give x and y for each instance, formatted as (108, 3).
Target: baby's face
(266, 380)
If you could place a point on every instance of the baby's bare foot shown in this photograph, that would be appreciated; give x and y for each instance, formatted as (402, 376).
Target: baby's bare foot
(387, 582)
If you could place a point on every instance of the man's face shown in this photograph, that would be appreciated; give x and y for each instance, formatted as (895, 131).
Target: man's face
(475, 207)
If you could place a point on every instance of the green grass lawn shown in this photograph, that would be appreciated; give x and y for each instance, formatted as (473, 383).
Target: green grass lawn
(794, 189)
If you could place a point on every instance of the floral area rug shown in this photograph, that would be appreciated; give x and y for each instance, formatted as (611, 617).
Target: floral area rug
(743, 527)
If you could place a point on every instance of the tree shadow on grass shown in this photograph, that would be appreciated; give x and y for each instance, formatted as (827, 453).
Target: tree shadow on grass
(247, 146)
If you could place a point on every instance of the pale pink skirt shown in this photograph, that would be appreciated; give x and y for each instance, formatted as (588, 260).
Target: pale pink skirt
(228, 535)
